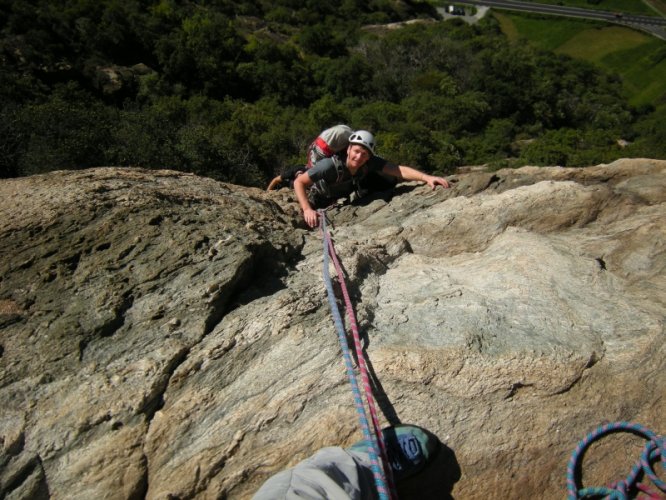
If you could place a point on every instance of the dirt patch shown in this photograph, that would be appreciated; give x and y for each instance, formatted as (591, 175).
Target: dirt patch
(9, 307)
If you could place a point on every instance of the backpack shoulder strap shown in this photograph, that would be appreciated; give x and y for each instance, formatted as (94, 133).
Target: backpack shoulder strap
(339, 166)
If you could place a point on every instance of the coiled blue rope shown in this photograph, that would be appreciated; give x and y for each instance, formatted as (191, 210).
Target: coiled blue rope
(655, 447)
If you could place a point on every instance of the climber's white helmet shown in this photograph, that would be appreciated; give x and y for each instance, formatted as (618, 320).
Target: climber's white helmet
(364, 138)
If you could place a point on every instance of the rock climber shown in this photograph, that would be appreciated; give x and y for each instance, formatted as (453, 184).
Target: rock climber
(356, 169)
(336, 473)
(329, 142)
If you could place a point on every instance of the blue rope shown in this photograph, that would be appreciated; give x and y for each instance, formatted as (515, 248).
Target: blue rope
(373, 448)
(655, 447)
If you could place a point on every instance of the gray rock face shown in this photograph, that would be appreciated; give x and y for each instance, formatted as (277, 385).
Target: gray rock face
(167, 336)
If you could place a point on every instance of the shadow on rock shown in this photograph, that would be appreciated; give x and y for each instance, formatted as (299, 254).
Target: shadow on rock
(435, 481)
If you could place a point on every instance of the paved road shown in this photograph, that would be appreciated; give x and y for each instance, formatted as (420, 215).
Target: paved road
(653, 25)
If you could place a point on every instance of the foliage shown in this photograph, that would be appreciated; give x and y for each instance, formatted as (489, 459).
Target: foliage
(637, 58)
(650, 138)
(69, 130)
(236, 90)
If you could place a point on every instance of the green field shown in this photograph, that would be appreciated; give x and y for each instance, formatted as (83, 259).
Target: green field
(638, 58)
(627, 6)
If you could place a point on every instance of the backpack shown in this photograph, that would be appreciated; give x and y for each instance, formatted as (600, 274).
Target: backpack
(329, 142)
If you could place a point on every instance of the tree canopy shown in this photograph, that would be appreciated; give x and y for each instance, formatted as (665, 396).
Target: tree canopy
(236, 90)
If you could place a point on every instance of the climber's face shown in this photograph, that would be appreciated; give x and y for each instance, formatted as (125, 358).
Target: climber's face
(357, 156)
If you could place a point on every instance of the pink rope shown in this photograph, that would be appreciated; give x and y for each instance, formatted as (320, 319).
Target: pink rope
(365, 380)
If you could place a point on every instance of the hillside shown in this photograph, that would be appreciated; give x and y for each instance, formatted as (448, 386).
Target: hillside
(165, 335)
(636, 60)
(235, 90)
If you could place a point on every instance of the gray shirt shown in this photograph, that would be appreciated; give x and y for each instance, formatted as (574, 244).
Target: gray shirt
(333, 180)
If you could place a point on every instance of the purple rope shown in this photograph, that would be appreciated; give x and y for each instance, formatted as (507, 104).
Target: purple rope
(373, 449)
(362, 366)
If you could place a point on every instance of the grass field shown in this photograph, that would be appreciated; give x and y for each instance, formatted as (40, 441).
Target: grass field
(638, 58)
(627, 6)
(657, 5)
(546, 32)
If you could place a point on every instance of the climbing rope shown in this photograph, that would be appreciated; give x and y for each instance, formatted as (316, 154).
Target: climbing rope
(376, 447)
(655, 447)
(363, 368)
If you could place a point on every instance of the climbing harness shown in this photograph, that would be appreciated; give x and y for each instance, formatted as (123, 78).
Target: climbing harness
(376, 447)
(655, 447)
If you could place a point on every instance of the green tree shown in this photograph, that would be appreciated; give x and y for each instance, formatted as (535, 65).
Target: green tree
(325, 112)
(342, 78)
(273, 70)
(378, 115)
(147, 137)
(409, 144)
(68, 131)
(567, 147)
(201, 53)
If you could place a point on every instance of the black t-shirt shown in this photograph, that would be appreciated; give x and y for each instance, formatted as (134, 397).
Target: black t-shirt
(332, 179)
